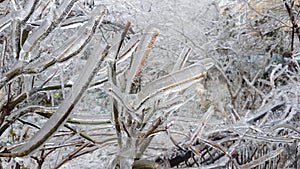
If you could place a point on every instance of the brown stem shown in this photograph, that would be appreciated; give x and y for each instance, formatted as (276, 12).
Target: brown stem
(71, 156)
(295, 27)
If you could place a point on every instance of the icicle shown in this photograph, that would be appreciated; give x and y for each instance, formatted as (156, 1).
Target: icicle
(61, 69)
(27, 85)
(50, 96)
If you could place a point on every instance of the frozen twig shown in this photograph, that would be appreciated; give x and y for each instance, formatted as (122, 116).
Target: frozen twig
(201, 126)
(182, 59)
(262, 159)
(65, 108)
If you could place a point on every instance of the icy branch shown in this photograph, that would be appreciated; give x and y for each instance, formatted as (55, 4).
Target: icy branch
(79, 87)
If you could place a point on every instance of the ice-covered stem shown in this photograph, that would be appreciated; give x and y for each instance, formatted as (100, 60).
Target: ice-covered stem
(145, 139)
(182, 59)
(20, 112)
(32, 8)
(232, 89)
(116, 121)
(10, 102)
(174, 82)
(138, 56)
(200, 128)
(2, 53)
(262, 159)
(72, 155)
(16, 36)
(260, 113)
(114, 103)
(70, 49)
(17, 27)
(113, 79)
(165, 85)
(152, 129)
(81, 134)
(135, 85)
(62, 113)
(139, 164)
(47, 28)
(123, 36)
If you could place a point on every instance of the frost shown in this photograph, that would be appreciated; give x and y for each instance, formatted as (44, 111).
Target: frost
(27, 85)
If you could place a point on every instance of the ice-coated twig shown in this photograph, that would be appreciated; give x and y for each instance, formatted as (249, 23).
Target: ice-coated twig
(16, 36)
(74, 22)
(215, 145)
(121, 97)
(264, 110)
(64, 110)
(228, 83)
(138, 73)
(2, 54)
(112, 77)
(269, 139)
(18, 13)
(184, 55)
(5, 22)
(138, 57)
(262, 159)
(62, 54)
(289, 116)
(32, 5)
(204, 120)
(44, 30)
(171, 83)
(250, 84)
(128, 52)
(72, 155)
(77, 42)
(276, 72)
(123, 36)
(18, 113)
(165, 85)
